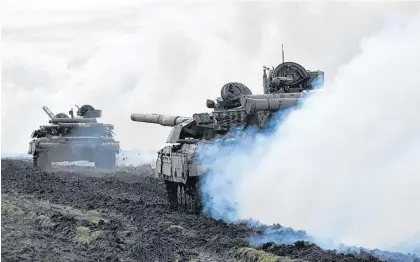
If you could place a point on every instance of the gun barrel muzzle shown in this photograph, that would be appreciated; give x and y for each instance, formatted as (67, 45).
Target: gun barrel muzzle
(163, 120)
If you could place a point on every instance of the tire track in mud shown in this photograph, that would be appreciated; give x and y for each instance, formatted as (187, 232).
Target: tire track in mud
(82, 214)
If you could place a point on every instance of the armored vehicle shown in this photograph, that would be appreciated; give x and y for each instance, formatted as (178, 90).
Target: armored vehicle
(237, 107)
(74, 139)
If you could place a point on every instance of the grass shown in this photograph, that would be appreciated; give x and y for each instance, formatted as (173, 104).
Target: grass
(83, 235)
(251, 254)
(95, 220)
(175, 228)
(11, 209)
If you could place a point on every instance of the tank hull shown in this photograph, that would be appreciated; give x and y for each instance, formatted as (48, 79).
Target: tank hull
(100, 151)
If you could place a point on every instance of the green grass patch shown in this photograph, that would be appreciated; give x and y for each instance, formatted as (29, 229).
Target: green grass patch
(8, 208)
(83, 235)
(251, 254)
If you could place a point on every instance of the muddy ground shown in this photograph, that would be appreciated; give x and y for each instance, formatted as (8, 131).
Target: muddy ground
(81, 214)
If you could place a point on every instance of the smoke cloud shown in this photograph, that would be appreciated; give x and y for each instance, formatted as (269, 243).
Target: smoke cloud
(344, 164)
(161, 57)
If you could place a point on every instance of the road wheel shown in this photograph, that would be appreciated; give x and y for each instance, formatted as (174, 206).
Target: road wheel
(35, 160)
(171, 189)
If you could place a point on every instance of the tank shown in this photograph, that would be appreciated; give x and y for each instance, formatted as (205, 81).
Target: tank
(74, 139)
(237, 107)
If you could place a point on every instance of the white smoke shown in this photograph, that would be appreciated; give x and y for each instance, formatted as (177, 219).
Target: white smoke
(346, 164)
(159, 57)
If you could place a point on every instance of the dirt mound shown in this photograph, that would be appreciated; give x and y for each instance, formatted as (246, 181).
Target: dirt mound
(123, 215)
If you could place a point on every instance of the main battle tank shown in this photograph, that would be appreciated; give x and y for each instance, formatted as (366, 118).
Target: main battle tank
(74, 139)
(237, 107)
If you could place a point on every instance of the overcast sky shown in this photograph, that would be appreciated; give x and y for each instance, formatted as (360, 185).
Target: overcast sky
(125, 56)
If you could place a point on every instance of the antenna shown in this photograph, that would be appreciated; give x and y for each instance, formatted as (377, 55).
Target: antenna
(282, 53)
(282, 57)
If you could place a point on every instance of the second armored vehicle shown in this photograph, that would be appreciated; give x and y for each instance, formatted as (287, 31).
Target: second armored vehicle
(74, 139)
(177, 162)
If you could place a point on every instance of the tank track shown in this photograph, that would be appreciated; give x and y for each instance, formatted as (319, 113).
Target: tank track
(35, 160)
(41, 160)
(184, 196)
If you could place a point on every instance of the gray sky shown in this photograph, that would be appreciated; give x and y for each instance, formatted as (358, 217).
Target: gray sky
(125, 57)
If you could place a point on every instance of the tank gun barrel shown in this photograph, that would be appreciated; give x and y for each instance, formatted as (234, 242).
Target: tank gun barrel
(79, 125)
(163, 120)
(48, 111)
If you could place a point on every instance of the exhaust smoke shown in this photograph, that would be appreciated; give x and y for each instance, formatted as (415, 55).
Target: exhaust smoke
(345, 164)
